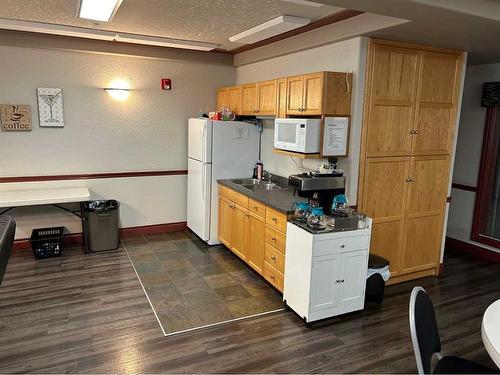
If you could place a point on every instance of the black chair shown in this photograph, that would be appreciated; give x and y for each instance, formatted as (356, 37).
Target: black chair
(426, 341)
(7, 231)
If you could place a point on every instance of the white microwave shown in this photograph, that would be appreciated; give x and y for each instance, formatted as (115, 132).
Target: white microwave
(297, 134)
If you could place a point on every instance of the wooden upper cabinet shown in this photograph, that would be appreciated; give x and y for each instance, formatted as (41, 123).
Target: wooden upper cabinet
(392, 91)
(323, 93)
(294, 95)
(313, 94)
(221, 98)
(266, 98)
(281, 98)
(437, 103)
(234, 99)
(248, 99)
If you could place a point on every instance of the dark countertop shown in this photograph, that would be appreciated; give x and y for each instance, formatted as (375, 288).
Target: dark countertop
(279, 199)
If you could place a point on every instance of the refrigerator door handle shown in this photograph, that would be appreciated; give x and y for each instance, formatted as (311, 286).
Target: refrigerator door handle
(203, 141)
(203, 176)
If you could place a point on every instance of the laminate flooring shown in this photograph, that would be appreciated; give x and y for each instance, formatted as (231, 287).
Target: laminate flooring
(88, 314)
(192, 285)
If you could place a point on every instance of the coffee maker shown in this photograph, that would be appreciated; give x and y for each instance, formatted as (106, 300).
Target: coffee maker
(319, 188)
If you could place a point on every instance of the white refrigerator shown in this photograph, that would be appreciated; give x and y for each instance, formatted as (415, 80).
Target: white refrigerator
(216, 150)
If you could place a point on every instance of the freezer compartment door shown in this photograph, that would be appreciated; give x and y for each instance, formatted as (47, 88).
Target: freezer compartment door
(200, 139)
(198, 202)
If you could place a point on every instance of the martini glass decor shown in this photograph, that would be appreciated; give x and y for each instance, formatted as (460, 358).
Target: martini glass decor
(50, 107)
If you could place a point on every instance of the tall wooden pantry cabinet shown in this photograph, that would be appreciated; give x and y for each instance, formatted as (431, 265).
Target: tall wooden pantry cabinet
(410, 113)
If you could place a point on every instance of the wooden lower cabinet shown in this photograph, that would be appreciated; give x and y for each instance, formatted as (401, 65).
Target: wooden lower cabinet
(256, 237)
(254, 232)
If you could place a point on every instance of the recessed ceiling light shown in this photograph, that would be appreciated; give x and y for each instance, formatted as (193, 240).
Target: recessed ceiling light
(276, 26)
(305, 2)
(98, 10)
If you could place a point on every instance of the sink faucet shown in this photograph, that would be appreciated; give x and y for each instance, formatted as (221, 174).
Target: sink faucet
(266, 176)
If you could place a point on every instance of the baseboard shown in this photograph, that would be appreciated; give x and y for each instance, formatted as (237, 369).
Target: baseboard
(466, 247)
(77, 238)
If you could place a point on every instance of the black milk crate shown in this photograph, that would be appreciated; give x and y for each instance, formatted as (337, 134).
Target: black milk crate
(47, 242)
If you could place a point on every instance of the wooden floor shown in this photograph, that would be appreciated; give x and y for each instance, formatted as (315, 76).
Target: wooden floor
(88, 314)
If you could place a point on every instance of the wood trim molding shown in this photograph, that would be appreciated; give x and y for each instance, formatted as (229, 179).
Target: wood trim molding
(328, 20)
(464, 187)
(485, 178)
(92, 176)
(466, 247)
(77, 238)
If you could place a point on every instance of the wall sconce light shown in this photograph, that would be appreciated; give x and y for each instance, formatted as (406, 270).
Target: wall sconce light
(119, 90)
(118, 94)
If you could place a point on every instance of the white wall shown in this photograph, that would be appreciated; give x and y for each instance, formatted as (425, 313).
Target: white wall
(468, 152)
(344, 56)
(146, 132)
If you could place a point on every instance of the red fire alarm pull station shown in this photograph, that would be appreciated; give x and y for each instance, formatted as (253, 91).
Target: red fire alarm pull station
(166, 83)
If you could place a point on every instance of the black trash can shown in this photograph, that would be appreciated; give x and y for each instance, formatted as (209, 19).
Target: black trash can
(378, 274)
(100, 227)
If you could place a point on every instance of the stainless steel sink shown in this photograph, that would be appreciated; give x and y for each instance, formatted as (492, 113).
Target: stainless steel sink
(247, 181)
(262, 186)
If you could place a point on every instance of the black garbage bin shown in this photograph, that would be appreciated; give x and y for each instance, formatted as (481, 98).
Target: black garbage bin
(378, 274)
(100, 227)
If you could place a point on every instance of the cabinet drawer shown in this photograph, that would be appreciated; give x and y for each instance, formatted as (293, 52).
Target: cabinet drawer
(234, 196)
(276, 219)
(275, 238)
(274, 276)
(275, 258)
(340, 245)
(256, 207)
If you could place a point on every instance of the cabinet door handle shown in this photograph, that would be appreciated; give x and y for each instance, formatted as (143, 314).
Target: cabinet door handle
(342, 246)
(274, 219)
(272, 277)
(274, 239)
(409, 179)
(247, 215)
(255, 208)
(342, 280)
(273, 258)
(299, 109)
(337, 281)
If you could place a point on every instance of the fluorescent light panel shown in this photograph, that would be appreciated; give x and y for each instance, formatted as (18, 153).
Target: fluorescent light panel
(165, 42)
(276, 26)
(80, 32)
(98, 10)
(305, 2)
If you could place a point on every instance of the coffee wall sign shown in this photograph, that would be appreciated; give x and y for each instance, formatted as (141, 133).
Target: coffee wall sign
(15, 117)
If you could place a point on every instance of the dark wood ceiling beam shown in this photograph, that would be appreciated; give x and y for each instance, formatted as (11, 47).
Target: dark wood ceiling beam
(328, 20)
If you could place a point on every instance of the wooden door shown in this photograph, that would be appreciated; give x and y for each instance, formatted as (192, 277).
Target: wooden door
(425, 212)
(436, 109)
(249, 99)
(313, 94)
(281, 98)
(239, 232)
(391, 100)
(256, 242)
(221, 98)
(383, 199)
(324, 284)
(225, 219)
(294, 95)
(266, 98)
(353, 267)
(234, 99)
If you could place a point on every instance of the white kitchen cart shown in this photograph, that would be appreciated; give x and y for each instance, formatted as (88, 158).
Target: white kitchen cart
(325, 273)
